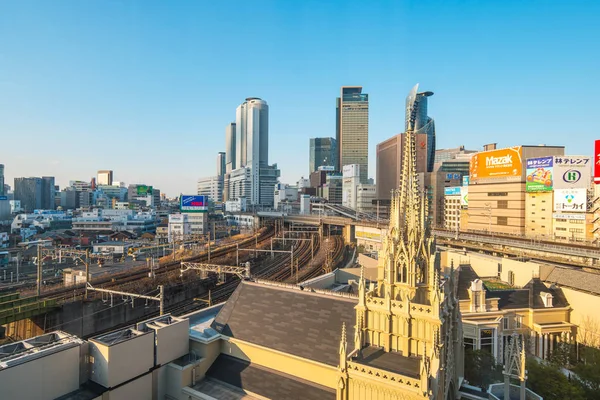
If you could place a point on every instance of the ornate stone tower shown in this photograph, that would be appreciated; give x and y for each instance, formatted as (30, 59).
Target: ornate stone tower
(408, 334)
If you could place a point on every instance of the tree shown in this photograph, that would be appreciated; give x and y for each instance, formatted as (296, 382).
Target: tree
(549, 382)
(481, 368)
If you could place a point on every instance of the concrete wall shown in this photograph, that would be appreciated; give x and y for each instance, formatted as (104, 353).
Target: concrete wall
(172, 342)
(585, 315)
(113, 365)
(288, 364)
(85, 319)
(47, 377)
(140, 388)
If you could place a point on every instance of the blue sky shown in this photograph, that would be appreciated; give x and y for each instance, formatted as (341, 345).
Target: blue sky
(146, 88)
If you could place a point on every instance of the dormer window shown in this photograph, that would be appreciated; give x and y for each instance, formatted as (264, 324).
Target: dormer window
(546, 299)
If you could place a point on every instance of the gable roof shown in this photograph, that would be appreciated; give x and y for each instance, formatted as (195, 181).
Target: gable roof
(265, 381)
(292, 321)
(571, 277)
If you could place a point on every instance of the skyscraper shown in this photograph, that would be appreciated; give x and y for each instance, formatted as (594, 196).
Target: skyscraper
(1, 179)
(252, 150)
(48, 193)
(220, 163)
(323, 152)
(352, 129)
(230, 148)
(105, 177)
(29, 192)
(418, 121)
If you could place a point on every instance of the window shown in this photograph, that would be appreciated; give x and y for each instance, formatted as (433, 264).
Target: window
(561, 229)
(518, 321)
(503, 204)
(502, 221)
(497, 193)
(505, 323)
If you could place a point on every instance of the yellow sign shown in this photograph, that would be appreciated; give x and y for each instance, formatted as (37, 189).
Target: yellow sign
(501, 163)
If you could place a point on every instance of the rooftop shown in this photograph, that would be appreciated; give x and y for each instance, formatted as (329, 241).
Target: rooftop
(571, 278)
(113, 338)
(286, 318)
(262, 381)
(26, 350)
(390, 361)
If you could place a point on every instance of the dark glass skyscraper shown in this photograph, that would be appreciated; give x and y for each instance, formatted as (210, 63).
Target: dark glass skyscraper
(1, 179)
(418, 121)
(29, 192)
(323, 152)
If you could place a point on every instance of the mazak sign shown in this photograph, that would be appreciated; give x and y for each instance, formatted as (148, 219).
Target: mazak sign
(496, 165)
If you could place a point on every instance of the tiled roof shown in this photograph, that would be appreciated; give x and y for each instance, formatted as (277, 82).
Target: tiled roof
(571, 277)
(296, 322)
(512, 298)
(264, 381)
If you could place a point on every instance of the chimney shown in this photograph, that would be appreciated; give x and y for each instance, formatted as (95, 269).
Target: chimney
(490, 146)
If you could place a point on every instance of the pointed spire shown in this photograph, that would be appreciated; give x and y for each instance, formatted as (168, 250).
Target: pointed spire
(343, 352)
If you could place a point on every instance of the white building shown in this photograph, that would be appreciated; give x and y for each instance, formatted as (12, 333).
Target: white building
(198, 222)
(305, 204)
(252, 177)
(211, 187)
(284, 194)
(452, 206)
(179, 227)
(365, 194)
(350, 180)
(236, 205)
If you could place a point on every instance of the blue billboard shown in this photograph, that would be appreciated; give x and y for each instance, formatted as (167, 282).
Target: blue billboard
(452, 191)
(193, 203)
(3, 197)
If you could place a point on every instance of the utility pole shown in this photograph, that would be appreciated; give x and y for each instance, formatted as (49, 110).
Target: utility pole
(162, 299)
(87, 270)
(292, 262)
(209, 247)
(39, 270)
(237, 254)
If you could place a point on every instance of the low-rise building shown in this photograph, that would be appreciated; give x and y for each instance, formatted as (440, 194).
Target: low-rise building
(179, 227)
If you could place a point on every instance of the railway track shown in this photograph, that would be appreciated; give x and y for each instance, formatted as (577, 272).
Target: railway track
(139, 275)
(277, 269)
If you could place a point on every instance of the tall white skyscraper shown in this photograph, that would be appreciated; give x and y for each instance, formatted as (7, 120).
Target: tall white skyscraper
(252, 149)
(230, 147)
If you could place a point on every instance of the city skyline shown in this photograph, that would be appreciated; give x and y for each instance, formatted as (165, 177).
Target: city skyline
(152, 95)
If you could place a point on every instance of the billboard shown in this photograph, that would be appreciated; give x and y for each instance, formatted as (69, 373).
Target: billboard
(580, 217)
(573, 200)
(539, 174)
(351, 170)
(496, 165)
(143, 190)
(3, 197)
(465, 180)
(193, 203)
(452, 191)
(597, 162)
(572, 172)
(464, 196)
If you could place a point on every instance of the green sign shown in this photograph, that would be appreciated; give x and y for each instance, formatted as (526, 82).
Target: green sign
(143, 190)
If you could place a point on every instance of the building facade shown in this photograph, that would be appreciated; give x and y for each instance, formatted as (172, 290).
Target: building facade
(29, 192)
(105, 177)
(212, 187)
(418, 121)
(1, 179)
(323, 152)
(230, 147)
(221, 163)
(48, 193)
(389, 162)
(352, 129)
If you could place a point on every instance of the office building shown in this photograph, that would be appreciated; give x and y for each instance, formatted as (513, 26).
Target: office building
(365, 194)
(418, 121)
(351, 179)
(323, 152)
(252, 176)
(211, 187)
(389, 162)
(1, 179)
(48, 193)
(333, 188)
(105, 177)
(352, 129)
(29, 192)
(221, 163)
(230, 147)
(497, 187)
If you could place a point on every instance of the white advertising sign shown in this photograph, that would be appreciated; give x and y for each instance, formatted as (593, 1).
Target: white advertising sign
(573, 200)
(464, 196)
(572, 172)
(569, 216)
